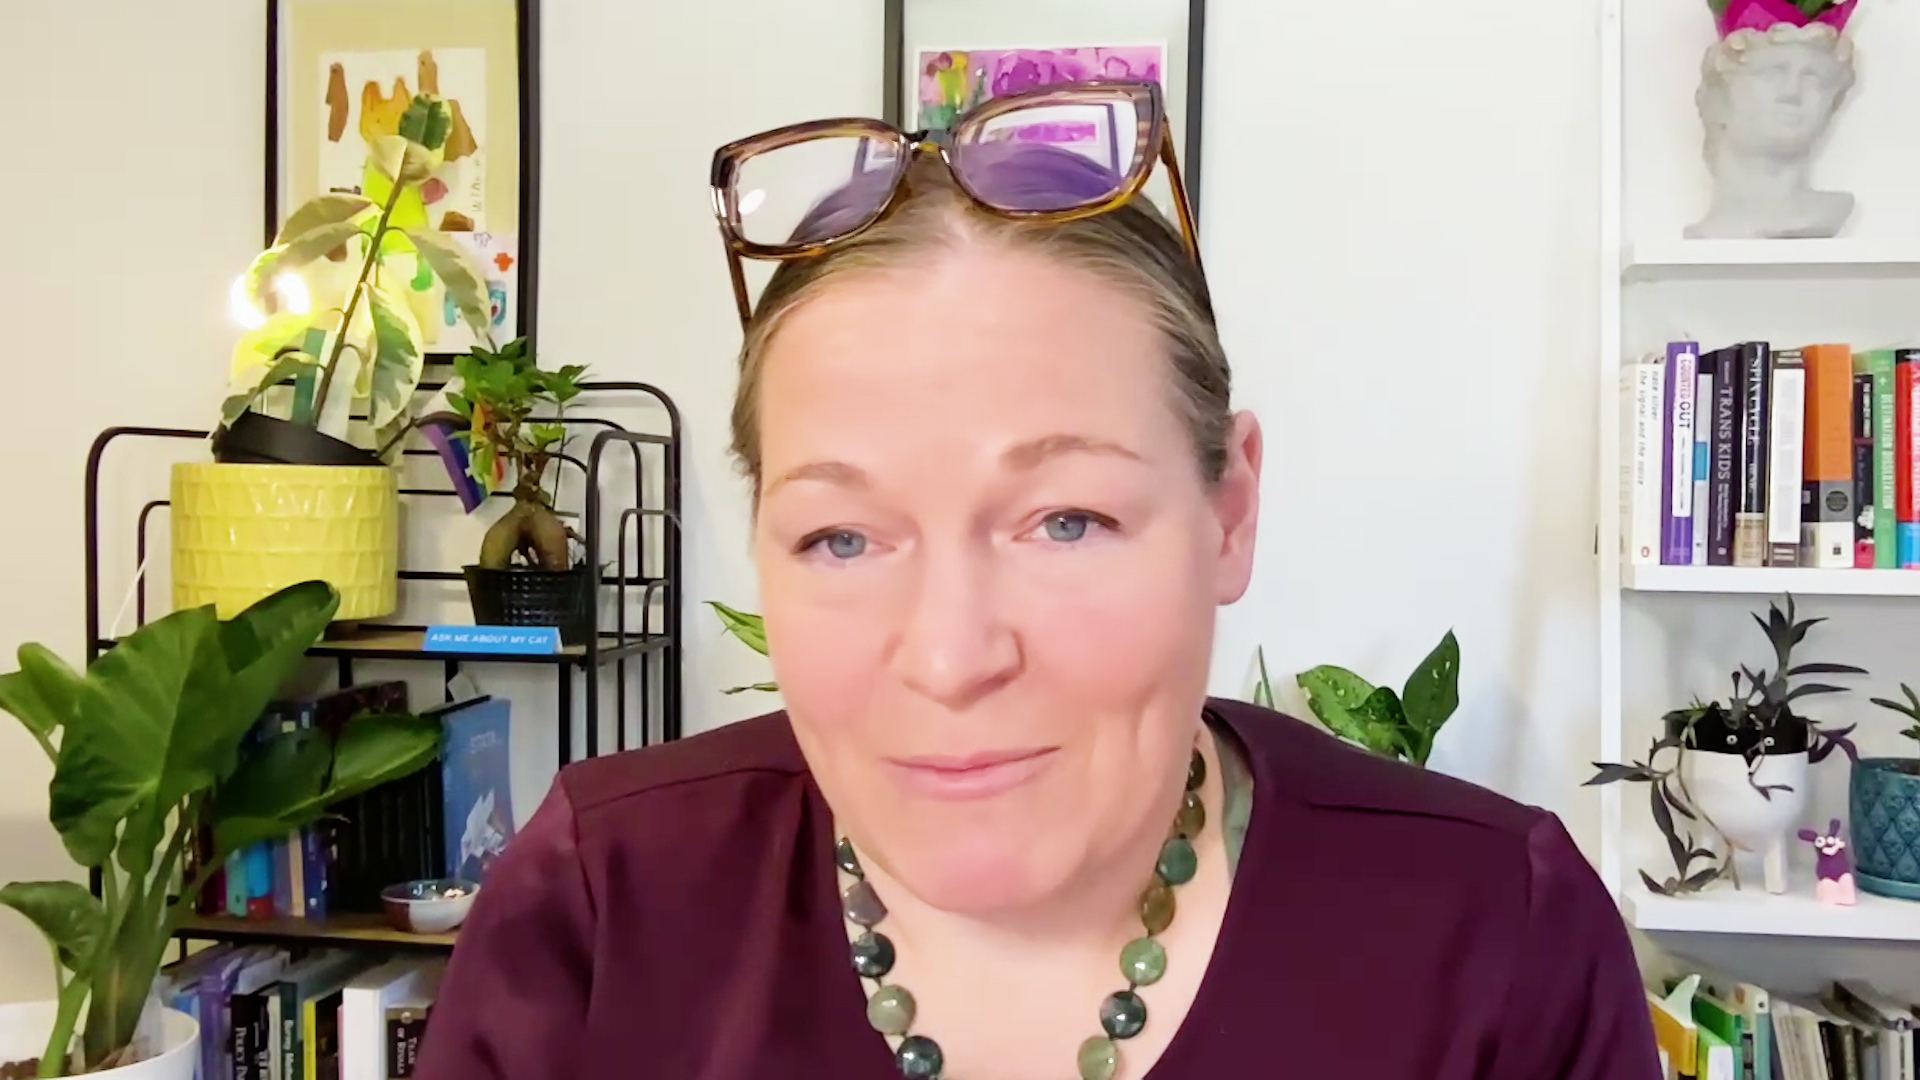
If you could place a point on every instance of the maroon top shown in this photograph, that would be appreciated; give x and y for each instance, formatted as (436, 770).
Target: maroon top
(671, 914)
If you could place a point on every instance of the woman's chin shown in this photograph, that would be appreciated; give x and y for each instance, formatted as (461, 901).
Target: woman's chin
(978, 882)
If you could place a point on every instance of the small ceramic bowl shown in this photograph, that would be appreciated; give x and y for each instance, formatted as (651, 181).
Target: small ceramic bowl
(432, 906)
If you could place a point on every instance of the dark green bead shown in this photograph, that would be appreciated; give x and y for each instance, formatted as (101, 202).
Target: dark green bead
(919, 1058)
(843, 855)
(1143, 961)
(1123, 1014)
(1178, 862)
(1192, 816)
(1156, 907)
(1099, 1059)
(872, 955)
(862, 904)
(1196, 771)
(890, 1010)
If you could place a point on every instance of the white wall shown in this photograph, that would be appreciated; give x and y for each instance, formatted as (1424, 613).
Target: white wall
(1399, 220)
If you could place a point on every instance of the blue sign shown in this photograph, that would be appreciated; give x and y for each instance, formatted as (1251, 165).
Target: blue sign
(505, 640)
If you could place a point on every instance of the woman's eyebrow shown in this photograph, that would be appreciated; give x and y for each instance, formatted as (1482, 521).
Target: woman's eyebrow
(1035, 452)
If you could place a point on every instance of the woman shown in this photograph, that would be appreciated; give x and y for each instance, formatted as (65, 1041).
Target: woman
(1000, 830)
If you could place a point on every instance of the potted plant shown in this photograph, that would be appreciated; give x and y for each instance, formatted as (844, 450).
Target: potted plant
(146, 752)
(339, 312)
(1398, 725)
(1738, 769)
(752, 631)
(1883, 800)
(529, 572)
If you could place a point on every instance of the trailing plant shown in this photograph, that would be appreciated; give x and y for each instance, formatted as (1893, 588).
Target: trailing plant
(750, 629)
(1910, 709)
(342, 305)
(1399, 725)
(146, 752)
(512, 410)
(1759, 715)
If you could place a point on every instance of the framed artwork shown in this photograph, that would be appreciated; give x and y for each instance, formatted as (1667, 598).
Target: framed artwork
(341, 72)
(945, 56)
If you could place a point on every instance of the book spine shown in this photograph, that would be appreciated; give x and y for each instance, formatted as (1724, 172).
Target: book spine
(1702, 459)
(1864, 481)
(1828, 461)
(1886, 545)
(1750, 512)
(1640, 461)
(1784, 434)
(1906, 455)
(1676, 478)
(1726, 422)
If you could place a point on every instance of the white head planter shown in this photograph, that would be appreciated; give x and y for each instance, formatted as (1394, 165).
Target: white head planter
(1766, 97)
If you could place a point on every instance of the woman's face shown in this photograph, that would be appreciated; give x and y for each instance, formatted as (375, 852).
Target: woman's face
(989, 568)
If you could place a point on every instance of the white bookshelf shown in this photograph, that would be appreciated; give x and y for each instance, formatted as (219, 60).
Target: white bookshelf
(1670, 633)
(1723, 910)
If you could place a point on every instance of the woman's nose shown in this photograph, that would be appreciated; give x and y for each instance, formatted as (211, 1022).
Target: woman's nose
(955, 646)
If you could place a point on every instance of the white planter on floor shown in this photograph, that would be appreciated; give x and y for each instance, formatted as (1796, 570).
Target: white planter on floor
(1759, 827)
(24, 1029)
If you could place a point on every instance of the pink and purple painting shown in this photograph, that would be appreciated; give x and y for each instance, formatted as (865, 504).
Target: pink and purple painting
(954, 80)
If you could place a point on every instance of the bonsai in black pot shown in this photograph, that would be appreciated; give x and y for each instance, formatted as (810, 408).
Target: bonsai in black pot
(529, 572)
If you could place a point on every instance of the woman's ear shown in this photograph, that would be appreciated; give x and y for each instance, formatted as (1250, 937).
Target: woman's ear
(1236, 505)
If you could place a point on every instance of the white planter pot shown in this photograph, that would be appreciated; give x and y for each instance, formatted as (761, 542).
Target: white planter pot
(1758, 827)
(24, 1029)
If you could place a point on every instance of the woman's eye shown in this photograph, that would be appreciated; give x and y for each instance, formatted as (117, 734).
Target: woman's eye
(1067, 528)
(844, 545)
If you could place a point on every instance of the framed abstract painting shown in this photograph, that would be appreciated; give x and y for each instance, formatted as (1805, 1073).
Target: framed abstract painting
(341, 72)
(945, 56)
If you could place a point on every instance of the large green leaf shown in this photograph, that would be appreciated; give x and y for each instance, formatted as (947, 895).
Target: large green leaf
(1333, 687)
(313, 244)
(118, 743)
(462, 276)
(42, 693)
(396, 358)
(1353, 708)
(1383, 724)
(328, 209)
(751, 629)
(1433, 690)
(286, 367)
(280, 793)
(69, 916)
(264, 646)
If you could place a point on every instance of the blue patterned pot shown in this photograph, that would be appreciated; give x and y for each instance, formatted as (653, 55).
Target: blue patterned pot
(1884, 806)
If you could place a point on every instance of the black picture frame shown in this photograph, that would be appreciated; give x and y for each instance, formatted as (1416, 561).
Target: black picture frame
(894, 61)
(527, 68)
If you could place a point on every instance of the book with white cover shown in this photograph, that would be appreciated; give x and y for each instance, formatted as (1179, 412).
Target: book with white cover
(363, 1011)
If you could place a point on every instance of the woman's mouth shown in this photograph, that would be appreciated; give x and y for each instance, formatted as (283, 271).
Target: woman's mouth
(973, 776)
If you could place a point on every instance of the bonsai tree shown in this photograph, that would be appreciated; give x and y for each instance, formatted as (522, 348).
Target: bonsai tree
(1401, 725)
(502, 398)
(751, 630)
(1760, 714)
(342, 304)
(146, 752)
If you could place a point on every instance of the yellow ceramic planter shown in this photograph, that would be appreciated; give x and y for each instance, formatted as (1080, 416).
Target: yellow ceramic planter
(242, 532)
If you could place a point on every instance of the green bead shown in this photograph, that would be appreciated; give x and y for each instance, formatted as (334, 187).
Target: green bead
(919, 1058)
(1099, 1059)
(1143, 961)
(1123, 1015)
(1192, 816)
(862, 905)
(1196, 771)
(872, 955)
(843, 854)
(1156, 907)
(1177, 862)
(890, 1010)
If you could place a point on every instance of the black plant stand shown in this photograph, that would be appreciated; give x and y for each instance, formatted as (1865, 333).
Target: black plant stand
(653, 578)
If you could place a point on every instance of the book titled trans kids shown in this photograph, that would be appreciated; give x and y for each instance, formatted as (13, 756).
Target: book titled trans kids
(477, 786)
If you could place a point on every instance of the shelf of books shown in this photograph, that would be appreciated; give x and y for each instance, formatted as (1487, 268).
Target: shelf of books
(334, 930)
(1725, 910)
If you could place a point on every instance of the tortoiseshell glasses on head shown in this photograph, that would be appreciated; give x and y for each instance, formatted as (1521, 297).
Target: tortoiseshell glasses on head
(1055, 154)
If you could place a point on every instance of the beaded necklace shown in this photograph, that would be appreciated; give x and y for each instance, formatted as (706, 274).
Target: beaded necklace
(890, 1008)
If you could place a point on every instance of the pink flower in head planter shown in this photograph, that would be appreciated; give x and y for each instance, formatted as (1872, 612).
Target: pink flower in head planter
(1764, 15)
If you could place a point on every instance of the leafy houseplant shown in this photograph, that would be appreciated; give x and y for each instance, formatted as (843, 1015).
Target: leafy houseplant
(1399, 725)
(1737, 769)
(146, 752)
(339, 311)
(527, 573)
(752, 631)
(1883, 799)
